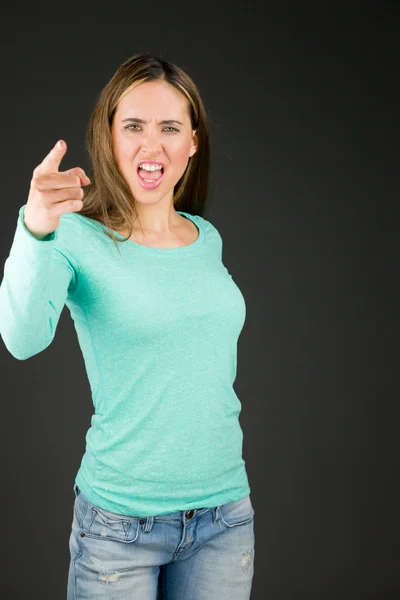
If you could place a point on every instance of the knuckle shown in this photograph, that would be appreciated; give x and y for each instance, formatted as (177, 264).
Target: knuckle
(36, 178)
(75, 193)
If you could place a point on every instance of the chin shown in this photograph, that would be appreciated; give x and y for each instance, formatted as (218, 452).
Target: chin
(147, 197)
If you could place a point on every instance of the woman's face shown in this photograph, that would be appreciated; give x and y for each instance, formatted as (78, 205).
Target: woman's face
(138, 134)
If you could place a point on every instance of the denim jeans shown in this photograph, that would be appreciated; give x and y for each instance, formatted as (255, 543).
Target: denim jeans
(202, 554)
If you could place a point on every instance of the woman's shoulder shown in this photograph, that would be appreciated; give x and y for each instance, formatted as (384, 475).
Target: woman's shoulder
(213, 236)
(211, 229)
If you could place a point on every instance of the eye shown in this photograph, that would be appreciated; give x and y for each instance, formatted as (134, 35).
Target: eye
(134, 125)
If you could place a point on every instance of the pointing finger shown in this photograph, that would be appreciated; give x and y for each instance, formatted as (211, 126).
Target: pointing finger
(51, 162)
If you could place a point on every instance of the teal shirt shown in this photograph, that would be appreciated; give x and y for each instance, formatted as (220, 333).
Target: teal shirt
(158, 330)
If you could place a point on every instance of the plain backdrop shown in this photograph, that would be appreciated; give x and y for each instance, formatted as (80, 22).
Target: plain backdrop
(303, 100)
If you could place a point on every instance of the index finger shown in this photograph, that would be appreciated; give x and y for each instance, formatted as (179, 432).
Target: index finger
(51, 162)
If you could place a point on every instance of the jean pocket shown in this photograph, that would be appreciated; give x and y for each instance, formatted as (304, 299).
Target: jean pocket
(236, 513)
(104, 525)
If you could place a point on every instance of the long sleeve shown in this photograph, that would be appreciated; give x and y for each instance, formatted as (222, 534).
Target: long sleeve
(38, 275)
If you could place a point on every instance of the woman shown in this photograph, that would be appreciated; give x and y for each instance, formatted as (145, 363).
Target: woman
(162, 500)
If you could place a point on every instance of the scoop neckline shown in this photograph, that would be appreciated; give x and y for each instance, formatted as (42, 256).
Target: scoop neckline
(180, 249)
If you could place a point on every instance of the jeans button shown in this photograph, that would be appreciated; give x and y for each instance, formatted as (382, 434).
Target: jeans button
(189, 514)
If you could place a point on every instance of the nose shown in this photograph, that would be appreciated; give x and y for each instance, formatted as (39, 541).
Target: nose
(151, 141)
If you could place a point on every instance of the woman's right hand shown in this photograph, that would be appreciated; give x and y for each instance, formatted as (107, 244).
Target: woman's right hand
(53, 193)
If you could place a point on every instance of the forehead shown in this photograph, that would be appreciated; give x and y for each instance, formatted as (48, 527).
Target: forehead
(153, 98)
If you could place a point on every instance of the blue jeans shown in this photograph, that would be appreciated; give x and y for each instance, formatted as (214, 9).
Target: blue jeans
(202, 554)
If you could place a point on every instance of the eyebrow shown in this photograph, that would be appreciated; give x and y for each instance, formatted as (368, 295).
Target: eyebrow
(143, 122)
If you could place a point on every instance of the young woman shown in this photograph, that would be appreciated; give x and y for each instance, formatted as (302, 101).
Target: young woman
(162, 501)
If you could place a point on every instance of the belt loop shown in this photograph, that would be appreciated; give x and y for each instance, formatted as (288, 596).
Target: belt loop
(149, 524)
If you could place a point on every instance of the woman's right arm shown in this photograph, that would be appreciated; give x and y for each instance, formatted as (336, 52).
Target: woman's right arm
(44, 259)
(37, 277)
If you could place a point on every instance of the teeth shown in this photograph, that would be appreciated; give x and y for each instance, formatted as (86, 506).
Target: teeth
(148, 167)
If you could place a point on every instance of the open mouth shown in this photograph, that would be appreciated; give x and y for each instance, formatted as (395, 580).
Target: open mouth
(150, 179)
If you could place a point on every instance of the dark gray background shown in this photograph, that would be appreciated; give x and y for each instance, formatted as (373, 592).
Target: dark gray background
(304, 105)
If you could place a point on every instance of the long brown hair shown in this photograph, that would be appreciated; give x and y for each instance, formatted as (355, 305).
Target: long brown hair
(108, 198)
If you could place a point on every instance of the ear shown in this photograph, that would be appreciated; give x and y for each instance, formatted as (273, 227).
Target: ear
(193, 147)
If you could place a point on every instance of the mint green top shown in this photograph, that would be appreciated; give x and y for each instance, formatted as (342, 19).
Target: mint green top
(158, 330)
